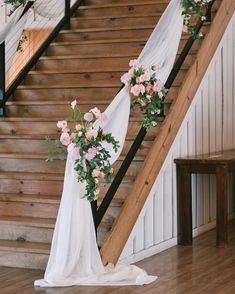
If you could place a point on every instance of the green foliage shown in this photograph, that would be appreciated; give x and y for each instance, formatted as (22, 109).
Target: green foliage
(84, 137)
(194, 8)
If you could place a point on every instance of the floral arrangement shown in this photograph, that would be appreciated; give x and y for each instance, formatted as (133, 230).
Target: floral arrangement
(194, 8)
(85, 143)
(147, 89)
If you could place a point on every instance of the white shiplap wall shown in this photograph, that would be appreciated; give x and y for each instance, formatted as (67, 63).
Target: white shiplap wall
(209, 126)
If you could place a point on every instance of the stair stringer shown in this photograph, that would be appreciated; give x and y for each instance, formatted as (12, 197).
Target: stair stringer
(208, 126)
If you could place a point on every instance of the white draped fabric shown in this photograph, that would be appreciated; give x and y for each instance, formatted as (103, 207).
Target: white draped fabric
(12, 30)
(74, 257)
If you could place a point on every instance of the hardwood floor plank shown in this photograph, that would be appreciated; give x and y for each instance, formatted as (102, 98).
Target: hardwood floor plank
(201, 269)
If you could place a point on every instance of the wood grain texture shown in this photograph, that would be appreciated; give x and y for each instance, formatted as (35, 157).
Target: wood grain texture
(155, 159)
(202, 268)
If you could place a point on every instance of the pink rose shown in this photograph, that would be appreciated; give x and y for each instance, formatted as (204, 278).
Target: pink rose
(158, 85)
(91, 153)
(62, 124)
(102, 117)
(91, 134)
(102, 175)
(149, 89)
(65, 139)
(78, 127)
(73, 150)
(125, 79)
(133, 63)
(137, 89)
(88, 116)
(145, 77)
(160, 95)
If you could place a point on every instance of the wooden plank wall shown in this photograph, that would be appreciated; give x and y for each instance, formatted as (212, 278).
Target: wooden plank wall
(208, 126)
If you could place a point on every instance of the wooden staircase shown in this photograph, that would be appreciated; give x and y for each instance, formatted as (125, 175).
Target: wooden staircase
(85, 63)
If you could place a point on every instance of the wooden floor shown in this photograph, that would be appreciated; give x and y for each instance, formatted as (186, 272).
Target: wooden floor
(202, 269)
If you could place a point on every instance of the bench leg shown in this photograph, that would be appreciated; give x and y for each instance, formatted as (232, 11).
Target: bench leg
(184, 201)
(221, 206)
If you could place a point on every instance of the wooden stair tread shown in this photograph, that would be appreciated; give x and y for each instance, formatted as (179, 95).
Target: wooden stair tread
(107, 29)
(99, 41)
(62, 71)
(31, 176)
(27, 247)
(124, 15)
(42, 156)
(83, 56)
(48, 199)
(29, 221)
(90, 85)
(58, 102)
(113, 5)
(36, 198)
(53, 136)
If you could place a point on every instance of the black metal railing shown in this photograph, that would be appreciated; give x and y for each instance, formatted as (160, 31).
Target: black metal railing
(63, 23)
(141, 135)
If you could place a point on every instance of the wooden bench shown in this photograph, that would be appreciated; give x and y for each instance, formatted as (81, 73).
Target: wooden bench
(220, 164)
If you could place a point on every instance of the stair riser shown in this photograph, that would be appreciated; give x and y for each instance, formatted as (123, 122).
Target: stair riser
(72, 78)
(129, 10)
(31, 146)
(78, 23)
(49, 128)
(76, 78)
(130, 48)
(51, 187)
(84, 64)
(35, 234)
(68, 94)
(40, 165)
(45, 111)
(28, 209)
(103, 2)
(23, 260)
(107, 35)
(40, 210)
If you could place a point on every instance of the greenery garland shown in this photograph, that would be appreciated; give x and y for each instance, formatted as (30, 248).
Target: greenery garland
(85, 142)
(192, 9)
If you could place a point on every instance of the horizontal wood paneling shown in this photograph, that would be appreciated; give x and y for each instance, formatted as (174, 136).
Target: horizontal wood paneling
(208, 126)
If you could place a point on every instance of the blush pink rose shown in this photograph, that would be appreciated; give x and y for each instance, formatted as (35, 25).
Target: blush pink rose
(78, 127)
(102, 175)
(137, 89)
(133, 63)
(160, 95)
(125, 79)
(88, 116)
(145, 77)
(73, 150)
(91, 134)
(158, 85)
(149, 89)
(62, 124)
(91, 153)
(65, 139)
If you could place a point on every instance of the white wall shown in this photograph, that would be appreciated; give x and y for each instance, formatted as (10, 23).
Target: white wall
(208, 126)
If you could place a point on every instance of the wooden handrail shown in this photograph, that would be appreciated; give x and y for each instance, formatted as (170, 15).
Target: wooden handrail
(141, 188)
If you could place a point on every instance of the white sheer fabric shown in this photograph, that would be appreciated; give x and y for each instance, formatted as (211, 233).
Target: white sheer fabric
(74, 258)
(49, 9)
(11, 33)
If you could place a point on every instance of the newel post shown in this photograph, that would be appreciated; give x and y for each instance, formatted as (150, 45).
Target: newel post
(67, 14)
(2, 79)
